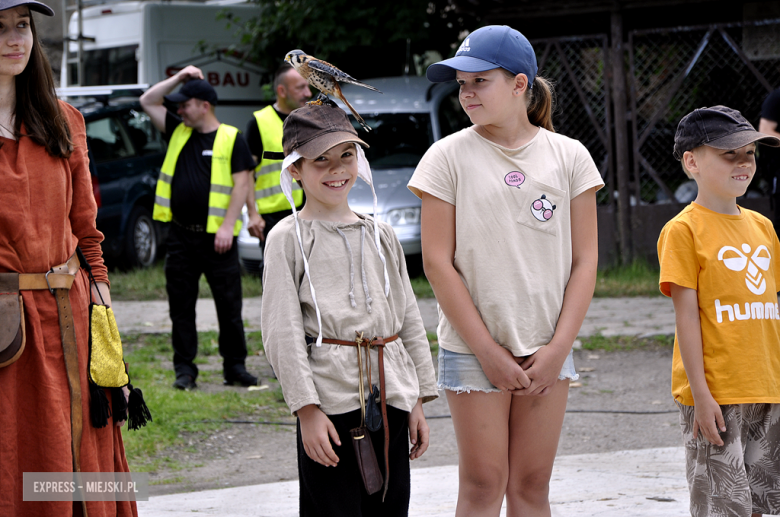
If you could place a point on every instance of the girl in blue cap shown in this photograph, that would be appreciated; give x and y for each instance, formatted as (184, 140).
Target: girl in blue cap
(510, 248)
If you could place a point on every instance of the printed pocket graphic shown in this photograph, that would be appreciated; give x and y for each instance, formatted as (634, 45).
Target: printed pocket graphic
(542, 209)
(539, 205)
(736, 260)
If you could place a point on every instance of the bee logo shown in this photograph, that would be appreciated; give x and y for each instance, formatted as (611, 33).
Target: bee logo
(542, 209)
(736, 260)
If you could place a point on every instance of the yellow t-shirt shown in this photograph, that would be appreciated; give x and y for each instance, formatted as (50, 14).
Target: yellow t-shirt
(732, 263)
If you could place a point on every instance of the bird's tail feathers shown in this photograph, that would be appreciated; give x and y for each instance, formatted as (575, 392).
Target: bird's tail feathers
(353, 110)
(358, 83)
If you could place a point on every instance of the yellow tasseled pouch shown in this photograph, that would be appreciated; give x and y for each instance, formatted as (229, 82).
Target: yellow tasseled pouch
(107, 367)
(106, 363)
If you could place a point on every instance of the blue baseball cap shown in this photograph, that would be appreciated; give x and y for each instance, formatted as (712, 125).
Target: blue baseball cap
(494, 46)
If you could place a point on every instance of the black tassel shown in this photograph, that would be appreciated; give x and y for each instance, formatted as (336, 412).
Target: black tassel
(139, 414)
(98, 406)
(118, 405)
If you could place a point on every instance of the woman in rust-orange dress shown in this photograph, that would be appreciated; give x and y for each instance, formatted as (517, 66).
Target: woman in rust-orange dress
(47, 208)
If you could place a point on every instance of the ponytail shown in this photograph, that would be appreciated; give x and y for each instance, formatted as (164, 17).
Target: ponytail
(541, 103)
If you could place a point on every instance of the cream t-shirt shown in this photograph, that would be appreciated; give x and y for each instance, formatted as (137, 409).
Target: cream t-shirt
(512, 228)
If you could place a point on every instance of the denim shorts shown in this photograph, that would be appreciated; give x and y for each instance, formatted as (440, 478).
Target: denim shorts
(463, 373)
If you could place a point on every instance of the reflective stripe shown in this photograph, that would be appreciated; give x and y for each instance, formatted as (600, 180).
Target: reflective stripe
(221, 181)
(221, 189)
(269, 197)
(270, 191)
(267, 169)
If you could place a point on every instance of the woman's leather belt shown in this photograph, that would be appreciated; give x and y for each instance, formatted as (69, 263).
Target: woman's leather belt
(378, 343)
(58, 281)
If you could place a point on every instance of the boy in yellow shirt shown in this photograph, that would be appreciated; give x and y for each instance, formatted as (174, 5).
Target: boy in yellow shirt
(719, 263)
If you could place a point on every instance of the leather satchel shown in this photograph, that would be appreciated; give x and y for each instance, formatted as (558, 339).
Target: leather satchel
(12, 334)
(361, 442)
(366, 459)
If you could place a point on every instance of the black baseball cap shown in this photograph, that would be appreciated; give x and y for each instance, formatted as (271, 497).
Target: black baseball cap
(719, 127)
(194, 89)
(494, 46)
(313, 129)
(32, 4)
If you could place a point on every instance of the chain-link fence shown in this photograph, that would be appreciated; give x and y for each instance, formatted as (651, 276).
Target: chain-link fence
(577, 67)
(674, 71)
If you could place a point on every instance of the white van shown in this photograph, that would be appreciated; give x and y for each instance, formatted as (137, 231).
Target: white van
(145, 42)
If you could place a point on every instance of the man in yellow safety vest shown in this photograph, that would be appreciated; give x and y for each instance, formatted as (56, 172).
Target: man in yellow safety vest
(201, 190)
(266, 204)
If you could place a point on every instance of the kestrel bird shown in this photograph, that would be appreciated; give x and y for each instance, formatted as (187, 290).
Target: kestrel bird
(326, 78)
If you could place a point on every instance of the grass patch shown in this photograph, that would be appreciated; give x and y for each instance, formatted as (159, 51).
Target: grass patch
(149, 284)
(433, 342)
(421, 287)
(636, 279)
(177, 412)
(614, 343)
(171, 481)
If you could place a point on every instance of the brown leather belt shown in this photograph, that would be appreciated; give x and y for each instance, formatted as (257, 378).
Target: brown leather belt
(59, 277)
(58, 281)
(378, 343)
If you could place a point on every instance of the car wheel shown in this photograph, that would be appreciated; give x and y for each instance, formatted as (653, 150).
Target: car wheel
(140, 239)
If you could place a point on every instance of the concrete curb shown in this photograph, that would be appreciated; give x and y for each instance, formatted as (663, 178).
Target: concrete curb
(640, 483)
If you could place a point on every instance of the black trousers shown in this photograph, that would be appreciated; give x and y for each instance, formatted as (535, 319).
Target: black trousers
(339, 491)
(190, 255)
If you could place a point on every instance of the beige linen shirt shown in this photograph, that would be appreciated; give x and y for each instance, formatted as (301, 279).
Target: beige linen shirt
(512, 229)
(344, 265)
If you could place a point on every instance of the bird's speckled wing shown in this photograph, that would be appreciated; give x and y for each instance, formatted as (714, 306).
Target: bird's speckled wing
(338, 75)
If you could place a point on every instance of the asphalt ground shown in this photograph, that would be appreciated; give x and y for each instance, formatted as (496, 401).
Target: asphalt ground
(619, 452)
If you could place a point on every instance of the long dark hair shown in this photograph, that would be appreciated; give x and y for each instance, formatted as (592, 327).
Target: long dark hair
(37, 106)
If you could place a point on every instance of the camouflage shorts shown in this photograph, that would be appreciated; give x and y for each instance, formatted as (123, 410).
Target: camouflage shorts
(741, 477)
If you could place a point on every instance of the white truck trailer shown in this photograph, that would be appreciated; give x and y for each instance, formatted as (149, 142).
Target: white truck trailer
(139, 42)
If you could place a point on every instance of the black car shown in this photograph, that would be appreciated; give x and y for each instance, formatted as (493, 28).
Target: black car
(126, 153)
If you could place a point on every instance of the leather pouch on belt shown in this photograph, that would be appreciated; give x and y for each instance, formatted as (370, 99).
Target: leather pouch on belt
(12, 336)
(366, 460)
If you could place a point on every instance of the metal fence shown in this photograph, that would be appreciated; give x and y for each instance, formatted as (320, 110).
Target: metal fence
(577, 66)
(674, 71)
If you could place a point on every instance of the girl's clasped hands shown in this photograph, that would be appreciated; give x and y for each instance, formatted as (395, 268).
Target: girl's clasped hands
(530, 375)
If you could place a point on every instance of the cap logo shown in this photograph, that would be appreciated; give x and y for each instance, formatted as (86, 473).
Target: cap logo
(464, 47)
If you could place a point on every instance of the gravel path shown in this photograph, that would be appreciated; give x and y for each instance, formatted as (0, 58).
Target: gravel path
(611, 316)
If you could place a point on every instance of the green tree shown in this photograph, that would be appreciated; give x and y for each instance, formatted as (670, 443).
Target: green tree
(364, 38)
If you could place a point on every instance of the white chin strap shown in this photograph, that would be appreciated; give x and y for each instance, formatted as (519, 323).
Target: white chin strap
(364, 172)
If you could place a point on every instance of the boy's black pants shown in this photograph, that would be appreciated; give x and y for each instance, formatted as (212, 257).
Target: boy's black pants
(339, 491)
(190, 255)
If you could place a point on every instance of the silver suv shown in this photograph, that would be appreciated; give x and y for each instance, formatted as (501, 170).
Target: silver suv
(409, 116)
